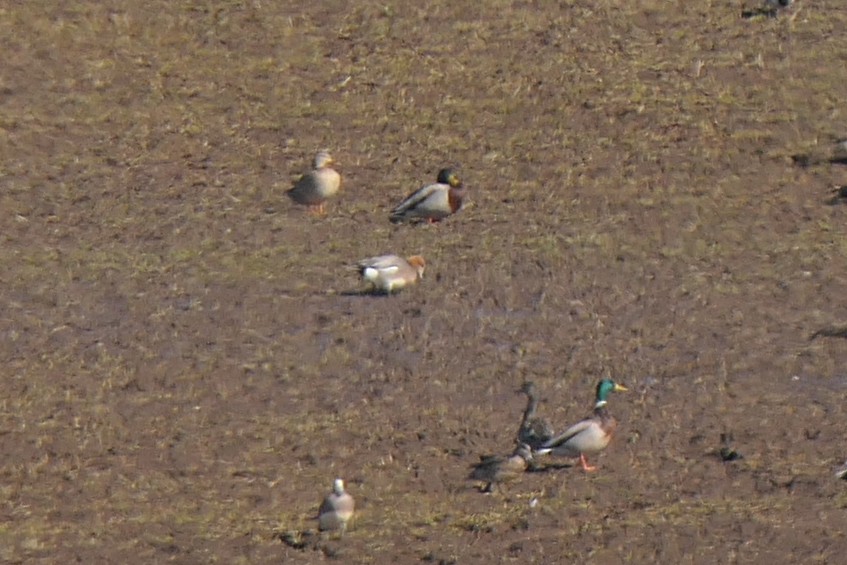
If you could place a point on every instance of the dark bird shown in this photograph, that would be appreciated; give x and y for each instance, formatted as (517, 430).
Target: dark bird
(495, 470)
(726, 452)
(534, 431)
(836, 155)
(770, 9)
(830, 331)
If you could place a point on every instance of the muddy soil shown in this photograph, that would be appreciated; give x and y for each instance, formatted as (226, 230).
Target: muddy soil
(188, 362)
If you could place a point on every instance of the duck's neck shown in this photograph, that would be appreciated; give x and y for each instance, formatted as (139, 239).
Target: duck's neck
(531, 407)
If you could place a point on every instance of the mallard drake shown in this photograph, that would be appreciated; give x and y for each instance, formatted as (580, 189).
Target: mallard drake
(590, 435)
(388, 273)
(433, 202)
(315, 187)
(498, 469)
(534, 431)
(337, 509)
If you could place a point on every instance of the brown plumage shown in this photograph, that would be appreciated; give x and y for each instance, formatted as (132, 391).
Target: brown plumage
(495, 470)
(534, 431)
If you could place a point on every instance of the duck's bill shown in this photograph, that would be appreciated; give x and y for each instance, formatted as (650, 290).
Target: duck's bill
(620, 388)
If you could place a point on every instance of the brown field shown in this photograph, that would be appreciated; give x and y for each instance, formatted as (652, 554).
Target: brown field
(187, 365)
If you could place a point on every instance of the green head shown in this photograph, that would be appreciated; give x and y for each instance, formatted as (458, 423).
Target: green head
(606, 387)
(447, 176)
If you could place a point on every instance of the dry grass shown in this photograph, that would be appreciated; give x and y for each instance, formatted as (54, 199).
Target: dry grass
(185, 372)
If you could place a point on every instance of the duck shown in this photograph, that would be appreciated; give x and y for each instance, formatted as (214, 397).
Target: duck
(836, 154)
(841, 472)
(498, 469)
(839, 152)
(433, 202)
(388, 273)
(336, 509)
(314, 188)
(590, 435)
(778, 4)
(769, 9)
(534, 431)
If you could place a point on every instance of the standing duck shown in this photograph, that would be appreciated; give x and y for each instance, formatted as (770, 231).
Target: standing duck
(433, 202)
(495, 470)
(591, 435)
(388, 273)
(337, 509)
(315, 187)
(534, 431)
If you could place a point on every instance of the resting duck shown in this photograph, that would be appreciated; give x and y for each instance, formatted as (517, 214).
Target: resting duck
(337, 509)
(433, 202)
(534, 431)
(495, 470)
(591, 435)
(315, 187)
(388, 273)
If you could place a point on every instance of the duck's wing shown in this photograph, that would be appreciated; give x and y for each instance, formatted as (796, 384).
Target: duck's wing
(568, 434)
(486, 468)
(418, 196)
(535, 433)
(327, 506)
(305, 190)
(543, 429)
(385, 263)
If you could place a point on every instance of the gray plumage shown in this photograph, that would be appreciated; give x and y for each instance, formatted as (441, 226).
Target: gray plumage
(337, 509)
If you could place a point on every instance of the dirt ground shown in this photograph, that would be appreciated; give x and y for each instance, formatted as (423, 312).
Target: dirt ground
(187, 363)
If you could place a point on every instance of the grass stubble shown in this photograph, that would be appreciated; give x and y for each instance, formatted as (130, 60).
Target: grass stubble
(186, 374)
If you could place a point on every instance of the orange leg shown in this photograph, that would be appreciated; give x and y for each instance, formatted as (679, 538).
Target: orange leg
(588, 468)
